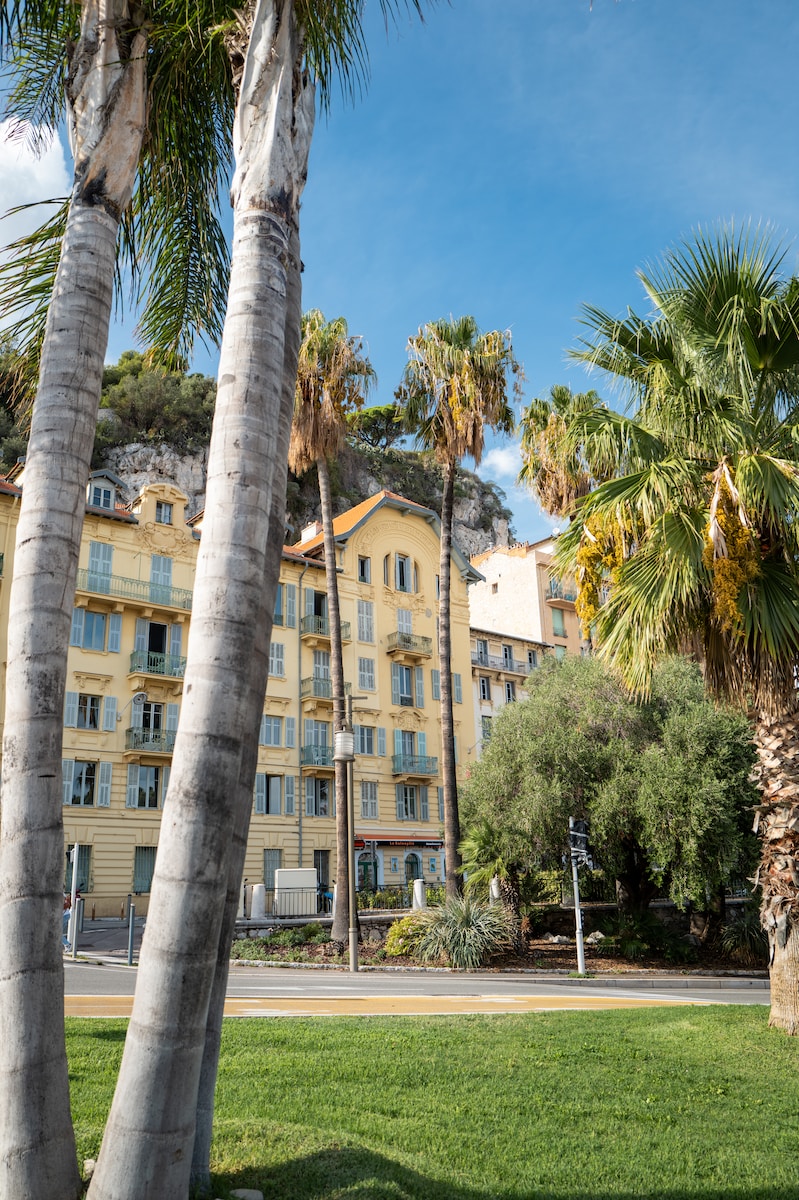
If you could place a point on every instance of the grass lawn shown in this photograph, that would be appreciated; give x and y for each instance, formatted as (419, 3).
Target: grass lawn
(670, 1104)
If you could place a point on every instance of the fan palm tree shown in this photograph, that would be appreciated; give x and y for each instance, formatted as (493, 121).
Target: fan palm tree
(697, 532)
(120, 69)
(454, 386)
(553, 469)
(333, 378)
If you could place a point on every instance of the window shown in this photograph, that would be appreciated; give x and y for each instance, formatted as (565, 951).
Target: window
(532, 659)
(364, 569)
(402, 573)
(163, 513)
(88, 712)
(366, 621)
(143, 867)
(78, 782)
(482, 652)
(285, 605)
(88, 629)
(510, 691)
(364, 739)
(560, 653)
(494, 589)
(485, 688)
(486, 728)
(394, 865)
(407, 685)
(102, 497)
(270, 730)
(276, 659)
(160, 579)
(413, 867)
(272, 860)
(84, 868)
(369, 800)
(457, 688)
(435, 684)
(288, 785)
(317, 797)
(404, 620)
(321, 664)
(406, 802)
(366, 674)
(321, 861)
(268, 790)
(147, 786)
(100, 559)
(558, 622)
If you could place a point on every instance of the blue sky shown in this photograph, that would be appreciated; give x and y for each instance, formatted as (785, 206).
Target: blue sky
(514, 160)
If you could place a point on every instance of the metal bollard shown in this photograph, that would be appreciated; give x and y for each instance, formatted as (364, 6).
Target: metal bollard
(131, 932)
(81, 908)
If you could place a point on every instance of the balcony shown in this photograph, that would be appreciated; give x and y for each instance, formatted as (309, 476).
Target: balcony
(150, 741)
(138, 590)
(413, 764)
(496, 662)
(410, 644)
(148, 663)
(319, 627)
(319, 688)
(316, 756)
(559, 591)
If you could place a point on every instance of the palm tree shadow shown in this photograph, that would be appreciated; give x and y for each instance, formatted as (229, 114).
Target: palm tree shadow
(361, 1173)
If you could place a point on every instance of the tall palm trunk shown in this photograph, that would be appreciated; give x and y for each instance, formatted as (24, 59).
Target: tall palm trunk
(340, 927)
(452, 826)
(777, 822)
(148, 1144)
(107, 100)
(201, 1157)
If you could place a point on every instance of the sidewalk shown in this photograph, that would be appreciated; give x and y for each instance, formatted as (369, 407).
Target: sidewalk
(107, 939)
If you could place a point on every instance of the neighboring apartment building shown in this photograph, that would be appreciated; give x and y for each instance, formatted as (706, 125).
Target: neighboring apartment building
(520, 597)
(501, 664)
(126, 663)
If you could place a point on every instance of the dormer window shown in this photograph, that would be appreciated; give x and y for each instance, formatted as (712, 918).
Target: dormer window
(163, 513)
(100, 496)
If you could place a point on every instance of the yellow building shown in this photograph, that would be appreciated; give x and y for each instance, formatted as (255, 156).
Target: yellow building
(127, 656)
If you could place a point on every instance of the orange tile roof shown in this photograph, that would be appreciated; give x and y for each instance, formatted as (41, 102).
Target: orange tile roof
(348, 520)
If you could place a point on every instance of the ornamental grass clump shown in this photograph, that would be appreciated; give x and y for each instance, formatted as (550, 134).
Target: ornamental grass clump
(466, 933)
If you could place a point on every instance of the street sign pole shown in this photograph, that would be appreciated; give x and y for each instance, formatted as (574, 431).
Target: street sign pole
(578, 844)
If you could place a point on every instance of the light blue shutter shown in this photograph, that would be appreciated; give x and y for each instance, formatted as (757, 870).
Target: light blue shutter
(381, 741)
(457, 689)
(101, 557)
(260, 793)
(132, 793)
(160, 578)
(110, 714)
(424, 806)
(71, 710)
(114, 633)
(309, 601)
(291, 732)
(309, 796)
(421, 745)
(419, 687)
(262, 733)
(436, 684)
(274, 795)
(291, 605)
(400, 804)
(175, 640)
(140, 641)
(104, 785)
(172, 716)
(76, 632)
(164, 783)
(455, 748)
(67, 771)
(290, 793)
(136, 716)
(398, 741)
(395, 683)
(441, 804)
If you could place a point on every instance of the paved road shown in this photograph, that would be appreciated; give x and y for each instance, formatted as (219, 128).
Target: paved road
(106, 989)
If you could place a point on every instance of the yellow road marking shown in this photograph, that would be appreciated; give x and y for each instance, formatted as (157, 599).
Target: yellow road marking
(286, 1006)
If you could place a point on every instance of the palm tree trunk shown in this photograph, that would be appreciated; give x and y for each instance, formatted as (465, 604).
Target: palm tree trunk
(37, 1145)
(777, 822)
(149, 1139)
(339, 931)
(452, 830)
(201, 1157)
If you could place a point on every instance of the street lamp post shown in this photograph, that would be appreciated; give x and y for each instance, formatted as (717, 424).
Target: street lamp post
(345, 752)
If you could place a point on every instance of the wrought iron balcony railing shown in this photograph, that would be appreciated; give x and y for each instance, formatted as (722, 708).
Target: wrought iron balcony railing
(320, 627)
(153, 741)
(134, 589)
(413, 764)
(316, 756)
(158, 664)
(411, 643)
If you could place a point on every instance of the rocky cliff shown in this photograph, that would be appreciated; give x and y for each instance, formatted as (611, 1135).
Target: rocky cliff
(482, 518)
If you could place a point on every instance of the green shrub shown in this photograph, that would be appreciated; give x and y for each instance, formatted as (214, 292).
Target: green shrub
(466, 933)
(255, 949)
(403, 936)
(634, 936)
(745, 940)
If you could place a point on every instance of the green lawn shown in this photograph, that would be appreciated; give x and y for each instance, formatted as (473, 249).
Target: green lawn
(669, 1103)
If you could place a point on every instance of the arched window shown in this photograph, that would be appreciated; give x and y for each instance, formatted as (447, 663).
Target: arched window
(413, 867)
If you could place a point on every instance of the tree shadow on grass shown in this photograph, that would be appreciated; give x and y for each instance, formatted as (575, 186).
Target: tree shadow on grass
(361, 1174)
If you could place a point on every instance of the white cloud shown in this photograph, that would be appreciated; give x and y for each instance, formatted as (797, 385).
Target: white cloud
(25, 179)
(501, 463)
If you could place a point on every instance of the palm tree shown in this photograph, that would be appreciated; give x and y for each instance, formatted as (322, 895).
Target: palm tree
(553, 469)
(111, 60)
(332, 381)
(455, 384)
(696, 534)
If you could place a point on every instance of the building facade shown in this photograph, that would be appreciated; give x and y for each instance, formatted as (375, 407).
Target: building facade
(501, 664)
(127, 656)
